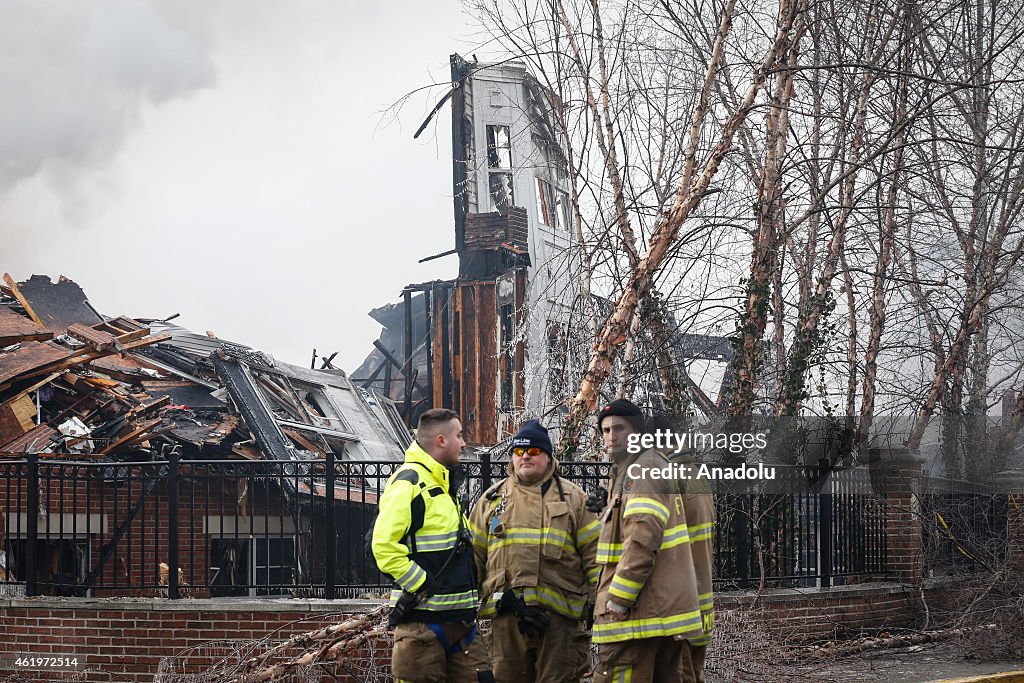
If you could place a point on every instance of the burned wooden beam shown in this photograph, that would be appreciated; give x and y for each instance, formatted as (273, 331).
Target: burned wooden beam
(394, 362)
(15, 328)
(97, 339)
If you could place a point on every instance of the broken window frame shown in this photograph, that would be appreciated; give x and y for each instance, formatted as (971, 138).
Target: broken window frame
(543, 211)
(271, 403)
(552, 205)
(496, 147)
(500, 177)
(508, 329)
(556, 358)
(501, 190)
(16, 545)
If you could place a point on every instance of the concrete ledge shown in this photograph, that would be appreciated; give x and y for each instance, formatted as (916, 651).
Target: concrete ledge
(728, 598)
(317, 605)
(310, 605)
(1004, 677)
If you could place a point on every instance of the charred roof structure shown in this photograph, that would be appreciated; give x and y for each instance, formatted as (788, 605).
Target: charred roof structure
(74, 382)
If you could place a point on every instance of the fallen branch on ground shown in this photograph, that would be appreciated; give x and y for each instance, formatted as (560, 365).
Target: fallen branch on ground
(341, 640)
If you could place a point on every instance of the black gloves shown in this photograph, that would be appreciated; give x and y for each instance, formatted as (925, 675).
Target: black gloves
(531, 620)
(588, 615)
(405, 604)
(597, 499)
(510, 603)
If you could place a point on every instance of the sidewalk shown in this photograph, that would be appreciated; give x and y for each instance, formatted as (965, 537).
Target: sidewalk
(932, 663)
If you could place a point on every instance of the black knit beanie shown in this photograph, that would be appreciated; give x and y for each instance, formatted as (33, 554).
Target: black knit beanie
(532, 434)
(622, 408)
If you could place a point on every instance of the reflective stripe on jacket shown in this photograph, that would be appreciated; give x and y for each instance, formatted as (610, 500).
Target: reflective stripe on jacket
(413, 565)
(527, 538)
(699, 503)
(647, 561)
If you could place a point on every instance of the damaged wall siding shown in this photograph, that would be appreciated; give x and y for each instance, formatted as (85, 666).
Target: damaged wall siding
(508, 129)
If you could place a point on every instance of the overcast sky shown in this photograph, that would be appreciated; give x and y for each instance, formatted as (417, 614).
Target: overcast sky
(228, 161)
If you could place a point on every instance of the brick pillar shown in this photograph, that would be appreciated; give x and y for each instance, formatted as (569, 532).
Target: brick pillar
(897, 476)
(1011, 482)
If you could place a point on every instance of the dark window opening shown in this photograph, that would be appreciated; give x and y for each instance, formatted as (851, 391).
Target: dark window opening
(251, 567)
(61, 565)
(507, 356)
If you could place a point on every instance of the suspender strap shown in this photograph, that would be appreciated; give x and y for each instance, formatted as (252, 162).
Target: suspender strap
(459, 645)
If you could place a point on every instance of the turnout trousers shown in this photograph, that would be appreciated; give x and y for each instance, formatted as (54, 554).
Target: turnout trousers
(643, 660)
(559, 655)
(692, 664)
(439, 653)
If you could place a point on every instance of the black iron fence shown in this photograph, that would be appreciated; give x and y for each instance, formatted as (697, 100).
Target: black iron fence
(816, 527)
(262, 528)
(963, 525)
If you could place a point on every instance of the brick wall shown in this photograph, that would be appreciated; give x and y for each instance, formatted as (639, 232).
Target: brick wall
(816, 614)
(898, 471)
(89, 510)
(125, 639)
(491, 230)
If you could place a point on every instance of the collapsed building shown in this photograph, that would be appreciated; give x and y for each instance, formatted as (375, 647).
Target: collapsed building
(492, 343)
(79, 385)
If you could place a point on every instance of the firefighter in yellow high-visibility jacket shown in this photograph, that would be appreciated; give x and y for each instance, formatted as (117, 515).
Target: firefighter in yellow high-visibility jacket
(647, 607)
(421, 538)
(535, 544)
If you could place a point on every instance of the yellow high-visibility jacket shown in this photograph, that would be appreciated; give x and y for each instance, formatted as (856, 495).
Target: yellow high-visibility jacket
(414, 561)
(647, 564)
(538, 539)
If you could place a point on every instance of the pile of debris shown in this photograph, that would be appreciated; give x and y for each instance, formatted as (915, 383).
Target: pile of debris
(77, 384)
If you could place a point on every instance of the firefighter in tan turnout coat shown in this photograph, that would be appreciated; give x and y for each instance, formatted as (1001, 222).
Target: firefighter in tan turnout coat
(647, 601)
(699, 503)
(535, 545)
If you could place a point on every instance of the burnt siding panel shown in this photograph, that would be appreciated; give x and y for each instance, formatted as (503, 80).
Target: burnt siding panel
(520, 356)
(477, 365)
(492, 230)
(488, 388)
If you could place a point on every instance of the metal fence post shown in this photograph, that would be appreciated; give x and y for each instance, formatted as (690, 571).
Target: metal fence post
(32, 532)
(740, 527)
(331, 540)
(485, 470)
(172, 523)
(825, 531)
